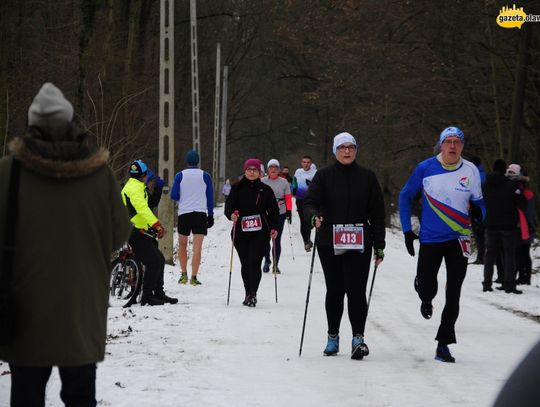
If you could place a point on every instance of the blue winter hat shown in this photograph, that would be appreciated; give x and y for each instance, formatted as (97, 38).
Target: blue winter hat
(192, 158)
(451, 132)
(138, 169)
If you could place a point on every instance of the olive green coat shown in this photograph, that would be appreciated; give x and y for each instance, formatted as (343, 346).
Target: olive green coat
(70, 218)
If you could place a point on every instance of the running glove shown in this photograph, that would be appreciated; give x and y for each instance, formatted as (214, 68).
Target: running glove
(160, 231)
(288, 214)
(210, 221)
(410, 237)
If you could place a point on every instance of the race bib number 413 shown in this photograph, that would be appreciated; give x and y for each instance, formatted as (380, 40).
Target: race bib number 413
(349, 237)
(251, 223)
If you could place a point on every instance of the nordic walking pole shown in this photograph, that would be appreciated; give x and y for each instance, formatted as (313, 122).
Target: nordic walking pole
(275, 266)
(371, 288)
(290, 239)
(230, 268)
(308, 291)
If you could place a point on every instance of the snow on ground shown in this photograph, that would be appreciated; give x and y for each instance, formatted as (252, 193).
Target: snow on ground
(202, 352)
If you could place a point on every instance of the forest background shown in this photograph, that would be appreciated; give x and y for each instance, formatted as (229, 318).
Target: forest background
(393, 73)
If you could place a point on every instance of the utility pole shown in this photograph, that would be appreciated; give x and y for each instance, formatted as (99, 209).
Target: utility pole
(166, 124)
(223, 141)
(195, 80)
(216, 124)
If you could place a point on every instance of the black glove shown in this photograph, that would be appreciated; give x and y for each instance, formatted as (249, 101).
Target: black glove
(410, 237)
(209, 221)
(476, 214)
(288, 215)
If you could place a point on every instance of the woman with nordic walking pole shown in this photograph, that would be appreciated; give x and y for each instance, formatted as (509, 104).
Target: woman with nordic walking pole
(345, 204)
(252, 206)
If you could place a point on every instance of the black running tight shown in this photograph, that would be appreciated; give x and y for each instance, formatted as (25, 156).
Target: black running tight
(345, 274)
(429, 261)
(251, 248)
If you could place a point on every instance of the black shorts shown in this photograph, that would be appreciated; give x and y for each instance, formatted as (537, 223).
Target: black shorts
(193, 222)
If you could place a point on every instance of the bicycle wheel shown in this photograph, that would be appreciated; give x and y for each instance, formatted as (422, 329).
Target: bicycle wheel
(126, 278)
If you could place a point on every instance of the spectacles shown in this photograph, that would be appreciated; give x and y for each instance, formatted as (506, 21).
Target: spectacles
(344, 148)
(453, 142)
(252, 169)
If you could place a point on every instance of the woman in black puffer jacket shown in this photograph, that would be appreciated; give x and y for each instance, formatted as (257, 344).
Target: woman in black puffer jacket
(253, 207)
(345, 203)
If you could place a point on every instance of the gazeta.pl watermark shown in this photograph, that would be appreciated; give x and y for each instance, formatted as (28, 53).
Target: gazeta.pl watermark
(515, 17)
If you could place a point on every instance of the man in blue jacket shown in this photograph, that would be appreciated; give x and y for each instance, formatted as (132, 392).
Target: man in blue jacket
(448, 185)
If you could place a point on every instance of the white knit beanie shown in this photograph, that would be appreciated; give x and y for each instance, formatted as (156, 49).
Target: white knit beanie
(343, 138)
(273, 162)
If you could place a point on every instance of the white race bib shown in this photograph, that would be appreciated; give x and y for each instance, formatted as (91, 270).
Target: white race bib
(465, 244)
(348, 237)
(251, 223)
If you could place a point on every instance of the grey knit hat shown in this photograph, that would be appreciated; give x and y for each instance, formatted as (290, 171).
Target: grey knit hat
(49, 107)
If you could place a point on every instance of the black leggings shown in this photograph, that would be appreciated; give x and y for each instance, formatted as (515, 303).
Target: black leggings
(28, 385)
(251, 248)
(305, 228)
(429, 261)
(147, 251)
(345, 274)
(277, 242)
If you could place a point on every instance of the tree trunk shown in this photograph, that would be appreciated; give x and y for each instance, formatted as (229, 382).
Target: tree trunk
(516, 120)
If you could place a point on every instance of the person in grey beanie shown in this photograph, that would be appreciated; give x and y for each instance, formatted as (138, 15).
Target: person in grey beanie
(70, 218)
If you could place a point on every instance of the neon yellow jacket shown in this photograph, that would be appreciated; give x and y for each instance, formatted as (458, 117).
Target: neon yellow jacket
(135, 197)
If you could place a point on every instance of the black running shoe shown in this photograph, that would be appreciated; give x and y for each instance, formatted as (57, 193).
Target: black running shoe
(151, 300)
(252, 301)
(426, 309)
(165, 298)
(443, 354)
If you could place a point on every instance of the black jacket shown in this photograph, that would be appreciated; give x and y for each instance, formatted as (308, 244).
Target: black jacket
(252, 198)
(502, 197)
(344, 194)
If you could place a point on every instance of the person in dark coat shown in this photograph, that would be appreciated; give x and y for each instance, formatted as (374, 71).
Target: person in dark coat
(345, 204)
(253, 208)
(476, 219)
(527, 220)
(70, 219)
(521, 389)
(503, 198)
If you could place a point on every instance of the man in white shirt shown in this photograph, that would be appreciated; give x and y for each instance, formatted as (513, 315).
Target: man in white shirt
(302, 179)
(193, 190)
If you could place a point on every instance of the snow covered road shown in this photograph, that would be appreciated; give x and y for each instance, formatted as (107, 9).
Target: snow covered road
(202, 353)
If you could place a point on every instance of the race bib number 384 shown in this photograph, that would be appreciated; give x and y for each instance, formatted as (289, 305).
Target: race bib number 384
(349, 237)
(251, 223)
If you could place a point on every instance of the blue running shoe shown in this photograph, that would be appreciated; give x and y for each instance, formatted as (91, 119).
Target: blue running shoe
(332, 347)
(443, 354)
(359, 348)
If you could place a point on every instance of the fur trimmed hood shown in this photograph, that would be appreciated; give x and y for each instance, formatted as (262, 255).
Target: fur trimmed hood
(41, 164)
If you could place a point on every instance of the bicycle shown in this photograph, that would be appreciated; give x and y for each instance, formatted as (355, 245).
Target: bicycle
(126, 276)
